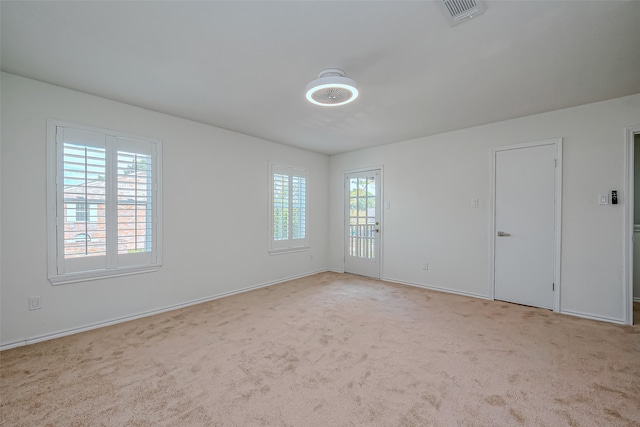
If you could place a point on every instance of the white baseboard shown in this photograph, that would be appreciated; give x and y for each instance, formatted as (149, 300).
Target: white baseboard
(453, 291)
(593, 317)
(103, 324)
(435, 288)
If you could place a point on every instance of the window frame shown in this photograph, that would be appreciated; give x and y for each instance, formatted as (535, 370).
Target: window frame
(290, 244)
(114, 263)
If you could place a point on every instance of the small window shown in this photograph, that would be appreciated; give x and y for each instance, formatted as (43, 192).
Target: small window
(83, 212)
(288, 212)
(104, 188)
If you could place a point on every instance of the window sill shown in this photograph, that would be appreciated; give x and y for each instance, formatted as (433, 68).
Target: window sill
(101, 274)
(288, 250)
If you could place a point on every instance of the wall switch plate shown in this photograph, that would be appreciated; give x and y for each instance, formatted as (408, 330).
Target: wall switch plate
(387, 205)
(425, 265)
(475, 203)
(34, 303)
(603, 199)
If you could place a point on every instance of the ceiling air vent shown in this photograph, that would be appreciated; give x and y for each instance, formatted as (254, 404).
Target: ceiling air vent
(461, 10)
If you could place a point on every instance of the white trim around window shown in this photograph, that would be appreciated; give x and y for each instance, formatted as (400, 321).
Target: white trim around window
(288, 209)
(117, 178)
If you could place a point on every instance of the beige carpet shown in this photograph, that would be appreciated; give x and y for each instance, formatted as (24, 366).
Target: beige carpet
(332, 350)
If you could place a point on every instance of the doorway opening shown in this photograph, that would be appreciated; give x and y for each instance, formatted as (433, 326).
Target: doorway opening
(632, 227)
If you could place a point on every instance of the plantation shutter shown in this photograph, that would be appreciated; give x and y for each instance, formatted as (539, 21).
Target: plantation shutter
(298, 207)
(135, 192)
(280, 206)
(289, 209)
(82, 244)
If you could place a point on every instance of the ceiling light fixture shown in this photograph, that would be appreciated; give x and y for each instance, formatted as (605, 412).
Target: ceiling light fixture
(332, 89)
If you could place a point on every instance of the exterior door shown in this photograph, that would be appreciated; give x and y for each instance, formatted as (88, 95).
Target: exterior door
(525, 224)
(363, 223)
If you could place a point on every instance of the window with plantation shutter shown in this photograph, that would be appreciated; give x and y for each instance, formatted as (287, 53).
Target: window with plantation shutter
(288, 205)
(104, 203)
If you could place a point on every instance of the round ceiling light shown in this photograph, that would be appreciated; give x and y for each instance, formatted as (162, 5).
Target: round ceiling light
(332, 89)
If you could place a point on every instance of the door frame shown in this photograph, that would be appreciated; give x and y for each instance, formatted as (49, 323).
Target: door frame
(557, 142)
(345, 215)
(629, 173)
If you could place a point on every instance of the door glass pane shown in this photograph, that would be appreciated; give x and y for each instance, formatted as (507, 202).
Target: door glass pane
(362, 183)
(371, 187)
(362, 210)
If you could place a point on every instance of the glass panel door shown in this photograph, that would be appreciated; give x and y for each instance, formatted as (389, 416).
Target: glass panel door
(363, 225)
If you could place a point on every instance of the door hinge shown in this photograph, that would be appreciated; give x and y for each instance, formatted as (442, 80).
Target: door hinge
(553, 286)
(555, 163)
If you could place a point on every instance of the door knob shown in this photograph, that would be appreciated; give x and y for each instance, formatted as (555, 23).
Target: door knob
(503, 234)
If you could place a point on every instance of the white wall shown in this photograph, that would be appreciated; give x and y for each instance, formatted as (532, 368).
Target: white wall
(215, 213)
(430, 183)
(221, 179)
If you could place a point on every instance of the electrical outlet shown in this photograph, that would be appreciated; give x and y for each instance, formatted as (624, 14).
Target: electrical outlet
(425, 265)
(34, 303)
(475, 203)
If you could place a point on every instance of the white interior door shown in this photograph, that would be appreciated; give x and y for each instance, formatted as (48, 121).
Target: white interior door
(525, 224)
(363, 223)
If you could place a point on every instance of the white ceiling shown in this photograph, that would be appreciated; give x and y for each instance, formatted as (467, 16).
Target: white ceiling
(244, 65)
